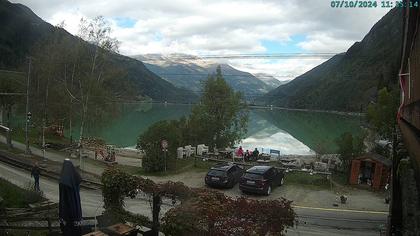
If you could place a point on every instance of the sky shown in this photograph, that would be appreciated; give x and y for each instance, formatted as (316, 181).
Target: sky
(220, 27)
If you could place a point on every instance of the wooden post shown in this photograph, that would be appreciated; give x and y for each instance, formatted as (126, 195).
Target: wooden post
(376, 183)
(155, 213)
(49, 225)
(355, 170)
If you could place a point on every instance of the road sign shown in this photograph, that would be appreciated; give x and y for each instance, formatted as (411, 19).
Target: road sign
(164, 144)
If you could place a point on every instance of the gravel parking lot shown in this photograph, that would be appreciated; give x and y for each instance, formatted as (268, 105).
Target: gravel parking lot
(358, 199)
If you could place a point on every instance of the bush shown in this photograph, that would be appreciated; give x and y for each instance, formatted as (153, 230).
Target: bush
(213, 213)
(150, 142)
(306, 179)
(115, 216)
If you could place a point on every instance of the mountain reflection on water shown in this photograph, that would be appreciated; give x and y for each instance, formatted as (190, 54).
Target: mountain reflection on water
(291, 132)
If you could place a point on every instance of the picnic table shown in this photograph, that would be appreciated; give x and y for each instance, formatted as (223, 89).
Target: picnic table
(226, 154)
(213, 155)
(263, 161)
(96, 233)
(264, 157)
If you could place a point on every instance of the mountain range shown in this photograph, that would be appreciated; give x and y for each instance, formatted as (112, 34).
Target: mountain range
(189, 72)
(21, 29)
(348, 81)
(271, 80)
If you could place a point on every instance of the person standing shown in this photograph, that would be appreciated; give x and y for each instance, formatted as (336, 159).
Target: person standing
(246, 155)
(240, 152)
(35, 173)
(255, 154)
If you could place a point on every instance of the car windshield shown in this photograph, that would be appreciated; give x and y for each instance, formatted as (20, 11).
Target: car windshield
(217, 173)
(253, 176)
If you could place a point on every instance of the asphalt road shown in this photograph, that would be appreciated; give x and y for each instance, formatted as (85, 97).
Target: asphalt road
(311, 221)
(91, 200)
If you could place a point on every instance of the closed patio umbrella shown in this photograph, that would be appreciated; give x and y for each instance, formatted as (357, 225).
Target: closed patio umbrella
(70, 210)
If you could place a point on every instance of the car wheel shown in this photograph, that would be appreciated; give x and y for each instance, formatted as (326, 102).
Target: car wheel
(268, 190)
(281, 181)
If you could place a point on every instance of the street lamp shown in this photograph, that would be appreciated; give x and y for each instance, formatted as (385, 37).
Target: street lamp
(28, 119)
(43, 138)
(29, 116)
(28, 113)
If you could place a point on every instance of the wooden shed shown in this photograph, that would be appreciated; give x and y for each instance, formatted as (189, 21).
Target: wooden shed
(371, 170)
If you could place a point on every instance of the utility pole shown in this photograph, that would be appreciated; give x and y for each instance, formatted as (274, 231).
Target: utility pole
(28, 114)
(164, 145)
(43, 138)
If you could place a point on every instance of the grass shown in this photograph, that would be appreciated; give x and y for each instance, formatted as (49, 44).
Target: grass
(12, 150)
(305, 179)
(35, 137)
(340, 178)
(14, 196)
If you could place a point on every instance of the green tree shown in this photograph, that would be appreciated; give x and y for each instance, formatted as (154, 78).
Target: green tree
(48, 59)
(150, 142)
(220, 119)
(10, 84)
(382, 114)
(93, 62)
(70, 76)
(349, 147)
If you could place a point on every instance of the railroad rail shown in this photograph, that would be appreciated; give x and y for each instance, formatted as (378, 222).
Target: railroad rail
(7, 158)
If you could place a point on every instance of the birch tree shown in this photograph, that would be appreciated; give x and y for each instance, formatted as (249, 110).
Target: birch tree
(90, 65)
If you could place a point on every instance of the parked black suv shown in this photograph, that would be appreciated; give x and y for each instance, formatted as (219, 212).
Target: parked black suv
(224, 175)
(261, 179)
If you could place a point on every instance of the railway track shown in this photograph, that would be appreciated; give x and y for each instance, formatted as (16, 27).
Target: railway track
(9, 159)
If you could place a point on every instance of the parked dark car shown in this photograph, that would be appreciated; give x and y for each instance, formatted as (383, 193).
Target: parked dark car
(261, 179)
(224, 175)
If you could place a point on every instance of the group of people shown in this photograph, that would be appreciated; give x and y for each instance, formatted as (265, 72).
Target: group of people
(248, 155)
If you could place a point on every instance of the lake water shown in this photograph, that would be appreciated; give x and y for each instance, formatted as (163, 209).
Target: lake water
(291, 132)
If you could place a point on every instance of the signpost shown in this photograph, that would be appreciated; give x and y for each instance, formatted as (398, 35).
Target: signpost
(164, 145)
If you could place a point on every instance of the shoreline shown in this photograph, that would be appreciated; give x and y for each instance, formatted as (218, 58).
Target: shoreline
(347, 113)
(344, 113)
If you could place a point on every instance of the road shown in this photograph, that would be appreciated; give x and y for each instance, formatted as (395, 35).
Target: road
(325, 221)
(91, 200)
(311, 221)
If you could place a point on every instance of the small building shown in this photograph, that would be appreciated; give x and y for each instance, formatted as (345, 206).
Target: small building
(370, 169)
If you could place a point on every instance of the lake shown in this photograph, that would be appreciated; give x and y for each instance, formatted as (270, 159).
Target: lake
(291, 132)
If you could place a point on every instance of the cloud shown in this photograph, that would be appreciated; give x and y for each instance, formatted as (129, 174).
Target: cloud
(220, 26)
(324, 43)
(282, 69)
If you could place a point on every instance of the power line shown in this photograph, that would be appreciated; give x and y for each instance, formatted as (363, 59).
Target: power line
(244, 56)
(247, 74)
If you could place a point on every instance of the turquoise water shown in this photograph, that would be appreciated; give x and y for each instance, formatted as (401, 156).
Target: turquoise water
(291, 132)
